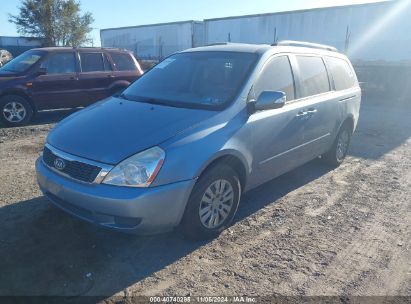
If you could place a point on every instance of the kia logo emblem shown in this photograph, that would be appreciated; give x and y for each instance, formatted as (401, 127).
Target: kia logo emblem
(59, 164)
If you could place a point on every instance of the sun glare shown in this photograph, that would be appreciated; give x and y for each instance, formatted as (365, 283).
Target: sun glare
(375, 28)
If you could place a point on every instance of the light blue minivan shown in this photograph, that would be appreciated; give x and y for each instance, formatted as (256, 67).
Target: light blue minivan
(180, 145)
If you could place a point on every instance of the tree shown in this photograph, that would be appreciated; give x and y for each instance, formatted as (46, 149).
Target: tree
(58, 22)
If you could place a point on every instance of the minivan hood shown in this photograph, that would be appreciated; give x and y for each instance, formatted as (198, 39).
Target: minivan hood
(114, 129)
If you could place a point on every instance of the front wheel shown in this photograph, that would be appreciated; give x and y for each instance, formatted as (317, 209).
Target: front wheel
(15, 111)
(336, 155)
(213, 203)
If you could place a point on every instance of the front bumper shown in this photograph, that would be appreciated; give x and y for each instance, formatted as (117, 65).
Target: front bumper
(140, 210)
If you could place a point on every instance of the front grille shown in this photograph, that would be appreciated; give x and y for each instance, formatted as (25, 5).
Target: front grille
(75, 169)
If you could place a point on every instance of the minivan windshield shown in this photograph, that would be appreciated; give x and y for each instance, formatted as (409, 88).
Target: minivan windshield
(23, 62)
(208, 80)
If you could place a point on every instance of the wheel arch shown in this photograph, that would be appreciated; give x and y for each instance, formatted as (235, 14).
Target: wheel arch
(118, 84)
(21, 94)
(231, 158)
(349, 120)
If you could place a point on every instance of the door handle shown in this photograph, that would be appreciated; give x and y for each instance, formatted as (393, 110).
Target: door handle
(311, 111)
(110, 76)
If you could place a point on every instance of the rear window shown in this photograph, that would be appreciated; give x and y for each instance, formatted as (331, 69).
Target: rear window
(313, 75)
(123, 62)
(342, 73)
(92, 62)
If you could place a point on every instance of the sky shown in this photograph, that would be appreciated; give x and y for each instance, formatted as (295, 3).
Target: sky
(109, 13)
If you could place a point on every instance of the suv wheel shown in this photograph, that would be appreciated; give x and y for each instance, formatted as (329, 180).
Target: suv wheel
(336, 155)
(212, 204)
(15, 110)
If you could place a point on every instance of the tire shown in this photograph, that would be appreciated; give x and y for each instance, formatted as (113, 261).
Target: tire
(336, 155)
(202, 202)
(15, 111)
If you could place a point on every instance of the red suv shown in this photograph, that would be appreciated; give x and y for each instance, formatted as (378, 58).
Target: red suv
(62, 77)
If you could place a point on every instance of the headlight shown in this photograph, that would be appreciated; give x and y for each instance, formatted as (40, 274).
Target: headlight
(138, 170)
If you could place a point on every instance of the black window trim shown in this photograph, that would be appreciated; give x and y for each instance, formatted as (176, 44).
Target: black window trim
(91, 52)
(108, 60)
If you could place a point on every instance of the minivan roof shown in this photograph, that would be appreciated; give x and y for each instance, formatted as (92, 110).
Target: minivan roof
(261, 48)
(66, 48)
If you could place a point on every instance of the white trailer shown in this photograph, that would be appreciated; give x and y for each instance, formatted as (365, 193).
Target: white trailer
(155, 41)
(366, 32)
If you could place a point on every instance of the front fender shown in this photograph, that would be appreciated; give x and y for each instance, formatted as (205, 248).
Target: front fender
(187, 156)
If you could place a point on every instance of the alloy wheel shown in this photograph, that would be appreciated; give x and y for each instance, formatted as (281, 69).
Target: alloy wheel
(14, 112)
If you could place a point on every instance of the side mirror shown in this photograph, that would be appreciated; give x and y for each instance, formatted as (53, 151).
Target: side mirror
(270, 100)
(41, 71)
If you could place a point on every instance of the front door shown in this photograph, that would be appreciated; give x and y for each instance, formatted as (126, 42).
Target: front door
(277, 133)
(59, 87)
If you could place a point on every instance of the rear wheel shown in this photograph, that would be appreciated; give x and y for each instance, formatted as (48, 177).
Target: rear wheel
(336, 155)
(15, 110)
(212, 204)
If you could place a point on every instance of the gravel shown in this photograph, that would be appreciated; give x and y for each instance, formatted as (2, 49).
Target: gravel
(313, 231)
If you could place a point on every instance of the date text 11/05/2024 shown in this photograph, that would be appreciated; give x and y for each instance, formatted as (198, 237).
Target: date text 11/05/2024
(188, 299)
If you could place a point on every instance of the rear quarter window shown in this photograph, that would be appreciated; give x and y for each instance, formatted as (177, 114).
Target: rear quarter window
(123, 62)
(313, 75)
(342, 73)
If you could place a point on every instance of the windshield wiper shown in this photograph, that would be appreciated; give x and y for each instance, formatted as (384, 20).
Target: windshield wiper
(122, 96)
(149, 100)
(157, 102)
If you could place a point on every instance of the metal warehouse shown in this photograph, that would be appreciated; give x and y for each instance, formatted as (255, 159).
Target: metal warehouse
(366, 32)
(155, 41)
(376, 37)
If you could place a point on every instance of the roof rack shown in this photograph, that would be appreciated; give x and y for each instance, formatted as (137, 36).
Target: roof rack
(218, 43)
(305, 44)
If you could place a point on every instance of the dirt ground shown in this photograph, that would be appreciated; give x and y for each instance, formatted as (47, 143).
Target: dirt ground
(314, 231)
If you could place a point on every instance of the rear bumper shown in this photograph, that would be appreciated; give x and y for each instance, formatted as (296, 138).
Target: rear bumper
(139, 210)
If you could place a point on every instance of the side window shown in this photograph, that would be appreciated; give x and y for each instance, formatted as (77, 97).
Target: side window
(123, 62)
(342, 73)
(313, 75)
(276, 76)
(60, 63)
(91, 62)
